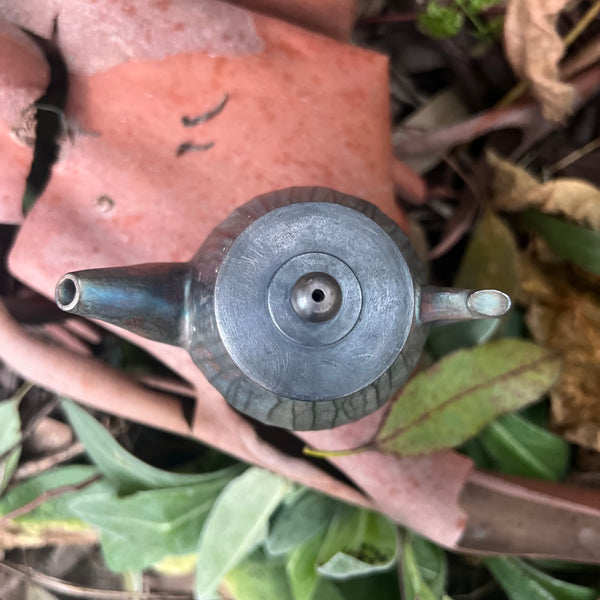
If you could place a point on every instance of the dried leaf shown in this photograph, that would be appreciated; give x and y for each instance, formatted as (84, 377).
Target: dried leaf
(564, 314)
(452, 401)
(513, 188)
(534, 48)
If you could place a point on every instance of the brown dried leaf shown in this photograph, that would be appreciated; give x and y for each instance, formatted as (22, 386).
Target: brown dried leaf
(534, 48)
(515, 189)
(564, 314)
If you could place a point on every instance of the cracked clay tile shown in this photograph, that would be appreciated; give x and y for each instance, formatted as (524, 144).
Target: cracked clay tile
(134, 184)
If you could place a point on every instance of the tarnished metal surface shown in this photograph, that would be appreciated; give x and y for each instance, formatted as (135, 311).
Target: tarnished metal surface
(304, 308)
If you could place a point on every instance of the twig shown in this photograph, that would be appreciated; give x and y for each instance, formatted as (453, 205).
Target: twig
(516, 92)
(45, 496)
(524, 116)
(76, 591)
(592, 12)
(572, 157)
(39, 465)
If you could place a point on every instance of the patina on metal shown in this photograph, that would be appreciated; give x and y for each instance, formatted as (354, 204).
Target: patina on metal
(306, 308)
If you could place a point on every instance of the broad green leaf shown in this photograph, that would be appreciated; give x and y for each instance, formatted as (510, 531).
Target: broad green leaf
(301, 567)
(295, 523)
(519, 447)
(450, 402)
(235, 525)
(128, 473)
(521, 581)
(413, 581)
(142, 528)
(257, 578)
(10, 434)
(491, 258)
(577, 244)
(358, 542)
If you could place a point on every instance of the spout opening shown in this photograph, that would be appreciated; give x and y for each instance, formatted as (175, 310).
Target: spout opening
(68, 292)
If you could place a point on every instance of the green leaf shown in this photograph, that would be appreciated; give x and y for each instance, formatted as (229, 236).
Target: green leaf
(415, 586)
(431, 561)
(519, 447)
(295, 523)
(236, 524)
(440, 21)
(142, 528)
(450, 402)
(257, 578)
(358, 542)
(521, 581)
(128, 473)
(577, 244)
(301, 568)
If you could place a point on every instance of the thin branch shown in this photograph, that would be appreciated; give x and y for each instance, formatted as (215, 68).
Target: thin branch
(572, 157)
(39, 465)
(77, 591)
(45, 496)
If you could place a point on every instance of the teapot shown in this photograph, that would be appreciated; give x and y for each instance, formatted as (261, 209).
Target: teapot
(306, 308)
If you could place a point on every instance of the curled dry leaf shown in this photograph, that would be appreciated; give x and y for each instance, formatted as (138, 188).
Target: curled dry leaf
(564, 314)
(534, 48)
(513, 188)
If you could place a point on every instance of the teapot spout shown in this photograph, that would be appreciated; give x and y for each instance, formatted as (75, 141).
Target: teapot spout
(450, 304)
(148, 299)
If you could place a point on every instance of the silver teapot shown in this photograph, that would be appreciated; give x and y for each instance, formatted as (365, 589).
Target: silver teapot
(306, 308)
